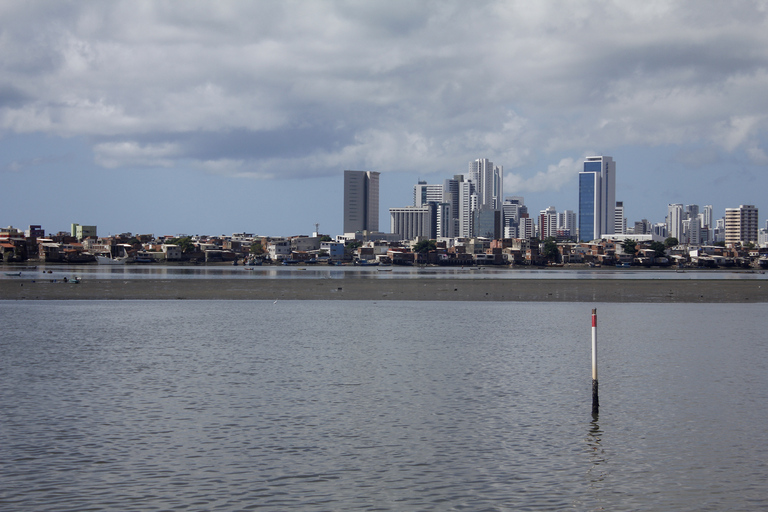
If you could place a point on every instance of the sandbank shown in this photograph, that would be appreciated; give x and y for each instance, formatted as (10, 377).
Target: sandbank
(527, 290)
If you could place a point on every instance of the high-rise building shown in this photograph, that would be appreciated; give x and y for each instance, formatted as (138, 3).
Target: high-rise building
(526, 228)
(597, 197)
(566, 220)
(467, 205)
(741, 225)
(488, 181)
(548, 223)
(414, 221)
(619, 221)
(361, 201)
(675, 221)
(487, 223)
(424, 193)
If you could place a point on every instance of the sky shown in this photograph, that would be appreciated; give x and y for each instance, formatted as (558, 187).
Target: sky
(190, 117)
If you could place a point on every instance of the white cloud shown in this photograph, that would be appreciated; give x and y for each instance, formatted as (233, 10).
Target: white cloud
(132, 154)
(554, 178)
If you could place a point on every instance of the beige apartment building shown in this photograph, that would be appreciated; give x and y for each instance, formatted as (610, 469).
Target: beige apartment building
(741, 225)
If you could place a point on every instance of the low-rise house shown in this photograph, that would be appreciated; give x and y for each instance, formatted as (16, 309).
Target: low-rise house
(172, 252)
(335, 250)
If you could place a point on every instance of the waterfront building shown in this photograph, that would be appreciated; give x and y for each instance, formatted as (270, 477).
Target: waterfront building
(79, 232)
(597, 197)
(361, 201)
(741, 225)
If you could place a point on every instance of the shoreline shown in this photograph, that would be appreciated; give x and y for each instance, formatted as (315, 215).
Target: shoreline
(415, 289)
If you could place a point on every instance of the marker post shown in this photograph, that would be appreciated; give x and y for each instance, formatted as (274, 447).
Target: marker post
(595, 399)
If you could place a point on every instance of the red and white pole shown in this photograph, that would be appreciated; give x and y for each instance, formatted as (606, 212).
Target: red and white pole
(595, 399)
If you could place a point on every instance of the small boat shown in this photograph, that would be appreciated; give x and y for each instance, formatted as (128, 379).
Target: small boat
(107, 258)
(13, 274)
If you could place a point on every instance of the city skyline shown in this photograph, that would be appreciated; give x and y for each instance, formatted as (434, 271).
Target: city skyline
(230, 117)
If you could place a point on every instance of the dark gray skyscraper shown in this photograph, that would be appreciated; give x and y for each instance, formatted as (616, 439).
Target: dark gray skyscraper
(361, 201)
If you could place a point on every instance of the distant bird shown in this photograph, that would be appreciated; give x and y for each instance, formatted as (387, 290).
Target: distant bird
(275, 302)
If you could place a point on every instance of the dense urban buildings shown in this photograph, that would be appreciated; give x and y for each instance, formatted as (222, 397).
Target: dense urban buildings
(597, 198)
(361, 201)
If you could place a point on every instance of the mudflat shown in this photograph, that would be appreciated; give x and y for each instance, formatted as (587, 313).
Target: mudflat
(545, 290)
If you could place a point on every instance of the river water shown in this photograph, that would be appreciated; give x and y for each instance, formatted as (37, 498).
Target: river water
(347, 406)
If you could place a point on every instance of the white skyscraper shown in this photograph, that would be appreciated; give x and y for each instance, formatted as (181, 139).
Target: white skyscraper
(675, 221)
(467, 205)
(488, 183)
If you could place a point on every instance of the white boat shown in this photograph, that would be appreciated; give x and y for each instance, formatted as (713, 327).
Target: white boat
(108, 259)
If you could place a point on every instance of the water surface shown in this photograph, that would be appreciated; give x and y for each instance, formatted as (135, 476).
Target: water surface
(312, 405)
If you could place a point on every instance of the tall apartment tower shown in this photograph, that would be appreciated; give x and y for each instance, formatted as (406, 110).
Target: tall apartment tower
(488, 181)
(361, 201)
(741, 225)
(675, 221)
(548, 223)
(619, 221)
(566, 222)
(597, 197)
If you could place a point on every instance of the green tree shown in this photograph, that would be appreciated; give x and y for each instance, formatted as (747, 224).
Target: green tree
(326, 238)
(257, 249)
(185, 244)
(550, 249)
(660, 250)
(424, 246)
(671, 242)
(629, 246)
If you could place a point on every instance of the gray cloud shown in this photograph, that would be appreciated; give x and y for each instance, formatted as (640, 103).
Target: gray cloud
(290, 89)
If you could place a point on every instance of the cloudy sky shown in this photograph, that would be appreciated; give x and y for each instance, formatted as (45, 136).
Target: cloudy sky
(221, 117)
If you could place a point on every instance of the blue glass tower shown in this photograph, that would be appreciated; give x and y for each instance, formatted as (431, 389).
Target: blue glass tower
(597, 198)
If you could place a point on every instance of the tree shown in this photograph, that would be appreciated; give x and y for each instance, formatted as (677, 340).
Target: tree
(185, 244)
(425, 246)
(550, 249)
(629, 246)
(659, 249)
(671, 242)
(257, 249)
(326, 238)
